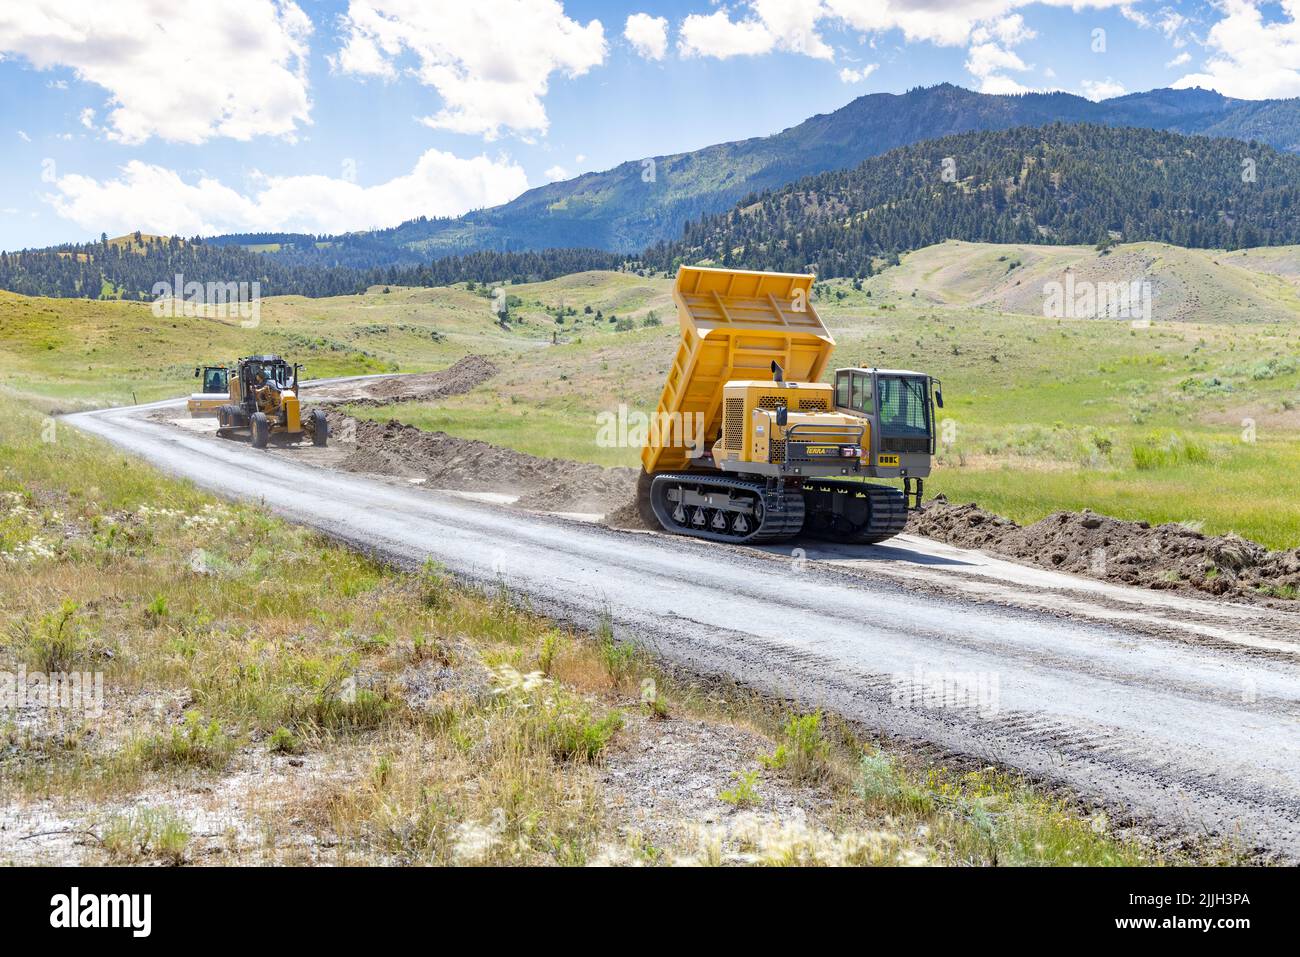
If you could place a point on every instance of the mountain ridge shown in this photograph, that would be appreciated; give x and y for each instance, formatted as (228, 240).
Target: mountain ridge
(632, 205)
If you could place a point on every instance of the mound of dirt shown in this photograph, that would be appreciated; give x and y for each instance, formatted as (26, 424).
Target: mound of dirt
(460, 377)
(1133, 553)
(446, 461)
(627, 515)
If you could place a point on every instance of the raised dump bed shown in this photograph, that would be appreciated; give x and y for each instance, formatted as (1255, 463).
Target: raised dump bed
(735, 323)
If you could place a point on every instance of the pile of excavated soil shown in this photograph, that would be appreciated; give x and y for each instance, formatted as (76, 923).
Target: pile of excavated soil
(627, 515)
(1134, 553)
(462, 376)
(446, 461)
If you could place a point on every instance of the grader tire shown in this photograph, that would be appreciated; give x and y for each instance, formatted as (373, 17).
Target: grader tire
(223, 421)
(261, 430)
(320, 428)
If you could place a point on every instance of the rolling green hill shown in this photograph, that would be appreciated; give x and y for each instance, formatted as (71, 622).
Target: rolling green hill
(1258, 285)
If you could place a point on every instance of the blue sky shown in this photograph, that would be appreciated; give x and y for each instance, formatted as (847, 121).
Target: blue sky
(247, 115)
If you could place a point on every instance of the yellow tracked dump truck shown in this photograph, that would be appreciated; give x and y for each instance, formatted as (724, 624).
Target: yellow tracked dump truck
(263, 400)
(748, 446)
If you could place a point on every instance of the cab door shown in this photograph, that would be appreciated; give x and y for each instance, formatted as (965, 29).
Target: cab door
(855, 395)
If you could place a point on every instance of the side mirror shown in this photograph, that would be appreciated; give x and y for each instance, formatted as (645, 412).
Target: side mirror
(938, 397)
(782, 416)
(197, 372)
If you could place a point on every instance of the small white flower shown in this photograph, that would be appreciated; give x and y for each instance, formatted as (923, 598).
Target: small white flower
(474, 841)
(510, 680)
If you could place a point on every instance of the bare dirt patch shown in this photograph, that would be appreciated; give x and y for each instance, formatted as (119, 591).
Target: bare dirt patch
(1171, 556)
(460, 377)
(446, 461)
(664, 774)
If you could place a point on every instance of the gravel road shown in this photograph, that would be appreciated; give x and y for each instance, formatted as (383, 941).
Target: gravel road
(1179, 714)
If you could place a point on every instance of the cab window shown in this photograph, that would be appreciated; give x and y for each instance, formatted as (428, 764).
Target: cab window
(842, 390)
(853, 391)
(860, 399)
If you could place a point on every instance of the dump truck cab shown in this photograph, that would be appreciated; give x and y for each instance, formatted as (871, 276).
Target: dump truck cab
(898, 407)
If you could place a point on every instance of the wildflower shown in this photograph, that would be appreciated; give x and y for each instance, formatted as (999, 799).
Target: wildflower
(511, 681)
(473, 841)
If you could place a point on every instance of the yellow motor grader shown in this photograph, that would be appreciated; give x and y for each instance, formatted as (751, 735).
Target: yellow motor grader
(748, 446)
(264, 402)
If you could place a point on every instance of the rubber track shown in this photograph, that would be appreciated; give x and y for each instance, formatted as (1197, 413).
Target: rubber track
(778, 525)
(886, 512)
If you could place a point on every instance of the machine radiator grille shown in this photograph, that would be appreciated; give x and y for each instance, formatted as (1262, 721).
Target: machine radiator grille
(778, 451)
(905, 443)
(733, 426)
(813, 405)
(771, 402)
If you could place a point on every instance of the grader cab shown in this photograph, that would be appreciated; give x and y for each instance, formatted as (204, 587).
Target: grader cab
(748, 445)
(263, 401)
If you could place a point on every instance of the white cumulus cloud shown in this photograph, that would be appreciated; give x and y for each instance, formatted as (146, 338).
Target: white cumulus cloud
(766, 26)
(156, 199)
(489, 60)
(1251, 58)
(648, 35)
(848, 75)
(990, 56)
(1101, 89)
(943, 22)
(1006, 30)
(184, 72)
(763, 26)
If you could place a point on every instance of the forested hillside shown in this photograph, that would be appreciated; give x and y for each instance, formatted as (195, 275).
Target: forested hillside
(1056, 184)
(130, 267)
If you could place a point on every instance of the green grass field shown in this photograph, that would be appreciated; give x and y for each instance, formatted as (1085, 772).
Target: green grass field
(1195, 418)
